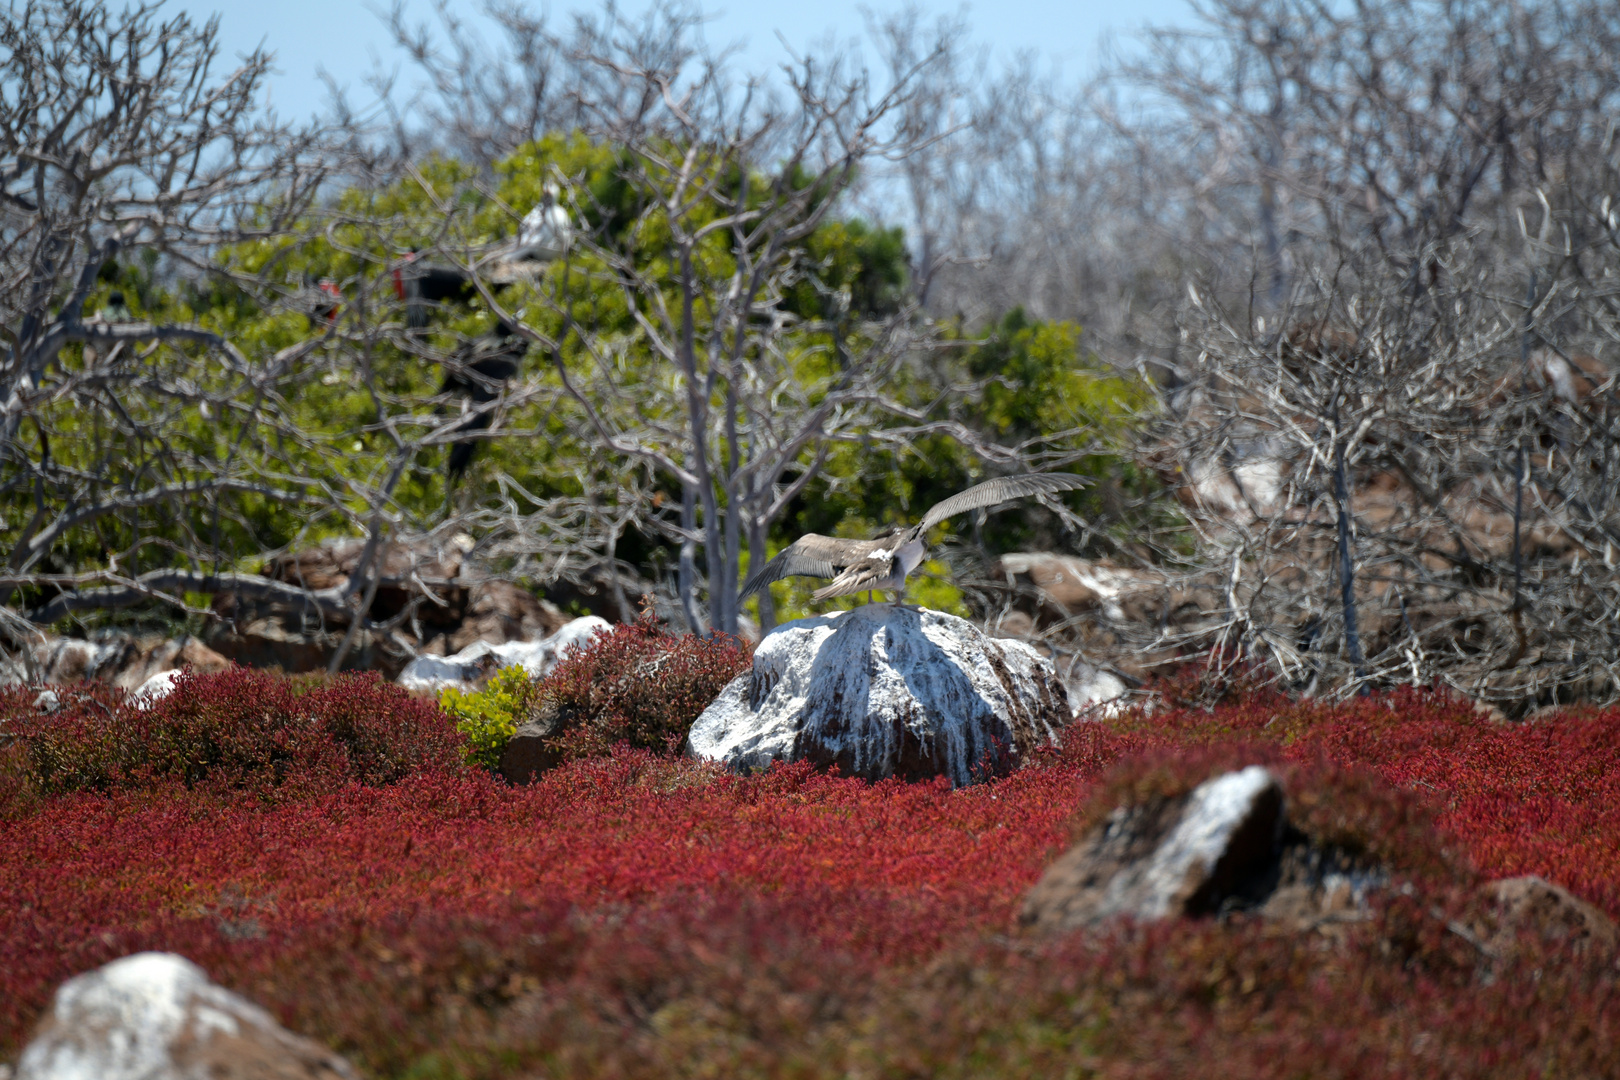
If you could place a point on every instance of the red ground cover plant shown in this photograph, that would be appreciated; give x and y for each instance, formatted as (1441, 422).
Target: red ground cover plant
(238, 729)
(635, 915)
(641, 685)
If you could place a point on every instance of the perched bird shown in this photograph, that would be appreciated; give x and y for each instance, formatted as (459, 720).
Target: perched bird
(865, 565)
(546, 231)
(325, 300)
(422, 286)
(116, 310)
(479, 370)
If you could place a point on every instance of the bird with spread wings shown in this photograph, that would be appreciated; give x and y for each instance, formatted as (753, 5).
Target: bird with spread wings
(867, 565)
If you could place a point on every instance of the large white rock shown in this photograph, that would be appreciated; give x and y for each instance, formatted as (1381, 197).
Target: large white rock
(155, 1016)
(462, 671)
(884, 691)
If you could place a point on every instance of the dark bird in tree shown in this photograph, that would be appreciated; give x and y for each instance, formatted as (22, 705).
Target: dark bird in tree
(325, 299)
(420, 285)
(864, 565)
(479, 370)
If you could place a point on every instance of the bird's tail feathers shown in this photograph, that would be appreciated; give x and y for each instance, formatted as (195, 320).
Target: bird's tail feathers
(842, 588)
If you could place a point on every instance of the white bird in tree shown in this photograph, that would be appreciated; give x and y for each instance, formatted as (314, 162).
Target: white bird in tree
(866, 565)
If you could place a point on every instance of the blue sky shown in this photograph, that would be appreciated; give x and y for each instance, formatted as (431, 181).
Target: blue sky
(344, 36)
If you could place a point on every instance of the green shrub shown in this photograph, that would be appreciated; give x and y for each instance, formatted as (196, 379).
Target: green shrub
(490, 717)
(639, 684)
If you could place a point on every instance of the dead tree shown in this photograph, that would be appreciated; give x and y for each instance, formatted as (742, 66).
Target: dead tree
(119, 136)
(1399, 322)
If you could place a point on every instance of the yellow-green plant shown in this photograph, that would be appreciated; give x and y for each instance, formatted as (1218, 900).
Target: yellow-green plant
(490, 717)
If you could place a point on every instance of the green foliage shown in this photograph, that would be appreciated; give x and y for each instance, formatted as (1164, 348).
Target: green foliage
(1038, 384)
(1042, 383)
(363, 379)
(860, 265)
(490, 717)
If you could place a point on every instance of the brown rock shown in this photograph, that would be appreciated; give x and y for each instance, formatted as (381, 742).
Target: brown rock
(270, 643)
(1063, 581)
(331, 564)
(443, 603)
(1183, 856)
(122, 660)
(528, 754)
(499, 611)
(1320, 891)
(1533, 904)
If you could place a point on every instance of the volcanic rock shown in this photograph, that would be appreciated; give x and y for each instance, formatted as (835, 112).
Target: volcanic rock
(117, 659)
(1171, 857)
(529, 753)
(1124, 620)
(885, 691)
(1533, 904)
(155, 1016)
(435, 596)
(470, 666)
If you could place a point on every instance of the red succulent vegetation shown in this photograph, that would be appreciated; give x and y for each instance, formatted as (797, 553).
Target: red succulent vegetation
(641, 685)
(637, 915)
(238, 729)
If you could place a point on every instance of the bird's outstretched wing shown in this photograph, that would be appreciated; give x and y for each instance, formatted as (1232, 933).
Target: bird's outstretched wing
(999, 490)
(811, 555)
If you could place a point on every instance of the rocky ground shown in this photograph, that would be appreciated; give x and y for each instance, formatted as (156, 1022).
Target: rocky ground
(321, 885)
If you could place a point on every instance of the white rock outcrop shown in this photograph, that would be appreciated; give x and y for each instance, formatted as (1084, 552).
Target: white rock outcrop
(156, 1016)
(462, 671)
(1216, 812)
(118, 659)
(159, 686)
(885, 691)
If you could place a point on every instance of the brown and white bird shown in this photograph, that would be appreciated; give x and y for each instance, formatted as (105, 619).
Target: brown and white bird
(866, 565)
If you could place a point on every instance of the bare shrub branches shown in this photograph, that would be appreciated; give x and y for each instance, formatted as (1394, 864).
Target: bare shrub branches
(118, 135)
(1393, 405)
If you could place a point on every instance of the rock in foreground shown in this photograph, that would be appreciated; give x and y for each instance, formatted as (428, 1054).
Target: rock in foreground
(1533, 904)
(884, 691)
(155, 1016)
(1180, 857)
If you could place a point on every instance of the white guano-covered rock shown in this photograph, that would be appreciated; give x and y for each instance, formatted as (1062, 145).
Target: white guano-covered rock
(884, 691)
(159, 686)
(464, 669)
(155, 1016)
(1216, 812)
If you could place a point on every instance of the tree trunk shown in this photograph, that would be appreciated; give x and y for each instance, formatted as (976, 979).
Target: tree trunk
(686, 574)
(1347, 566)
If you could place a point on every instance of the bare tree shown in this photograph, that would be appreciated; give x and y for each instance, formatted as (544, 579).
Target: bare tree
(745, 357)
(480, 99)
(118, 137)
(1394, 411)
(728, 189)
